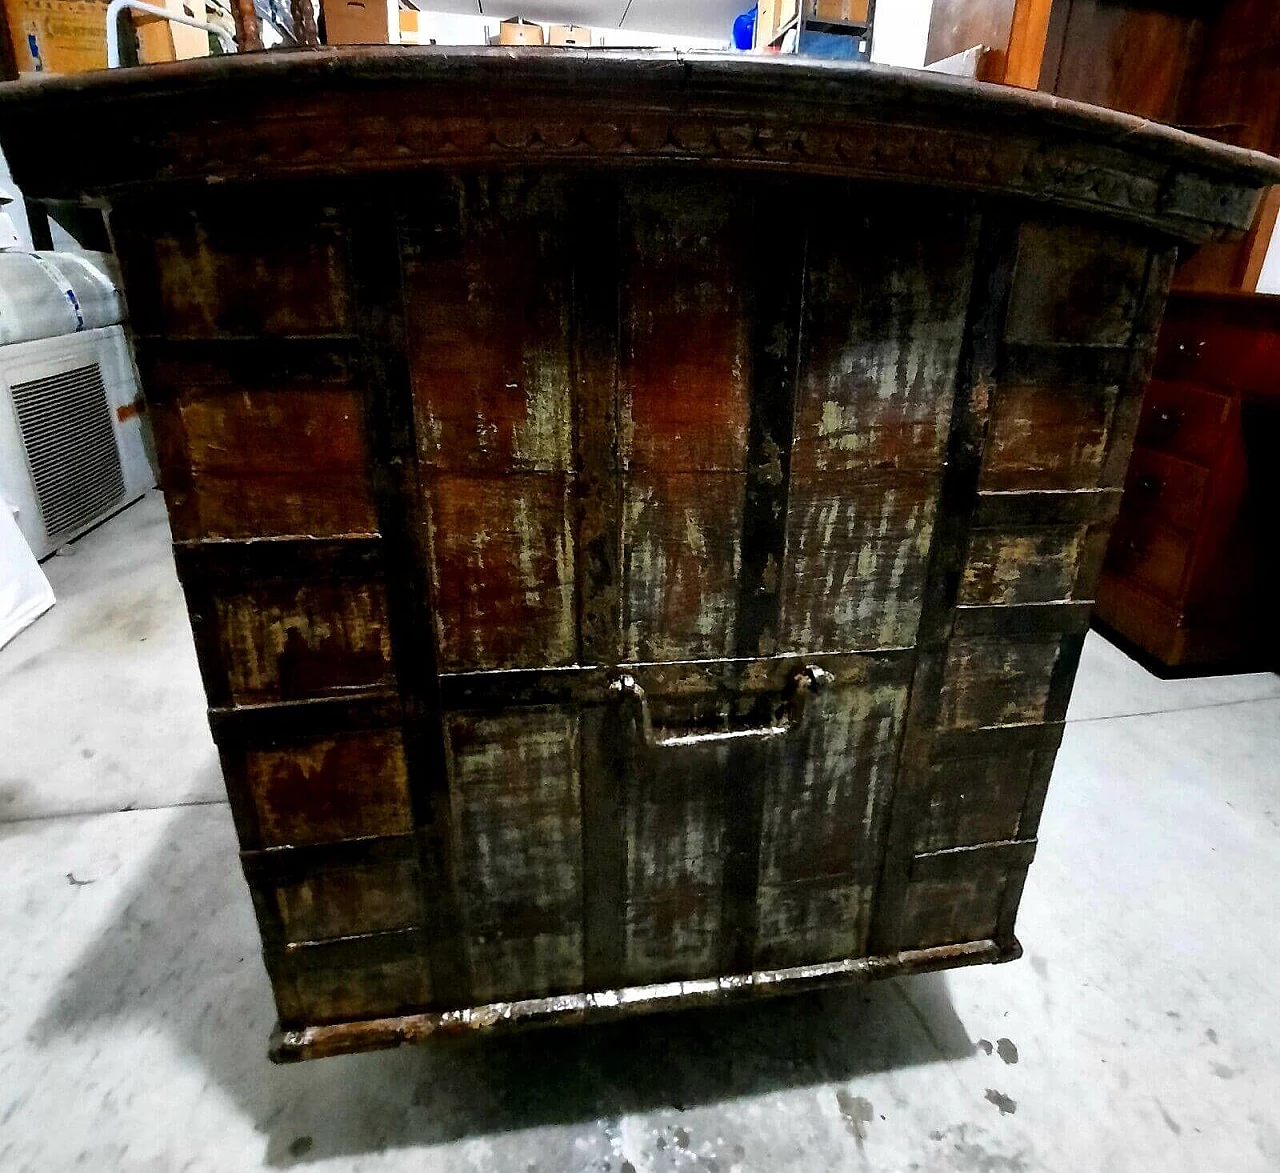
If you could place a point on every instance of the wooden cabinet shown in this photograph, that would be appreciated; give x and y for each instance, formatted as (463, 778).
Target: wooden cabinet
(605, 602)
(1191, 577)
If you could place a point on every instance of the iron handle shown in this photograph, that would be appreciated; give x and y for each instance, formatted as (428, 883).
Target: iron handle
(803, 686)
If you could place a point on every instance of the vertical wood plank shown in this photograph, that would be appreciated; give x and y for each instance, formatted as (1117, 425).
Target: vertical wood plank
(992, 280)
(377, 293)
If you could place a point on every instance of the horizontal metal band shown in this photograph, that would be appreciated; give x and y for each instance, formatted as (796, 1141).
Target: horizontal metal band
(293, 861)
(957, 862)
(349, 952)
(997, 741)
(287, 720)
(172, 366)
(316, 1042)
(1023, 619)
(228, 561)
(740, 676)
(1046, 507)
(1068, 365)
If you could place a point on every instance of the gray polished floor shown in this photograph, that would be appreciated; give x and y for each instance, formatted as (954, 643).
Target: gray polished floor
(1141, 1031)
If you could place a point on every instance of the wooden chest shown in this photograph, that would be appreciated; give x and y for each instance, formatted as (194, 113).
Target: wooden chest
(639, 515)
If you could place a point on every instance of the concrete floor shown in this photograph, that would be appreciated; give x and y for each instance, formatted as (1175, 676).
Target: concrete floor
(1141, 1031)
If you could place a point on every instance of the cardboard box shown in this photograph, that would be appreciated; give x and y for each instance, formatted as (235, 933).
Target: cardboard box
(518, 31)
(409, 27)
(360, 22)
(58, 36)
(569, 34)
(162, 40)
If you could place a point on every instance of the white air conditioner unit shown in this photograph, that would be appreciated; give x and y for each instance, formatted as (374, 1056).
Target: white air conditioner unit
(72, 447)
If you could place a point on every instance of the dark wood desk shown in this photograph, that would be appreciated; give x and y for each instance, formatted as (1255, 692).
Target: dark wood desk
(1191, 576)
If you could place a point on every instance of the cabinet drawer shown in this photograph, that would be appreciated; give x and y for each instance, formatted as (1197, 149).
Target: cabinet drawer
(1149, 552)
(1183, 421)
(1232, 355)
(1162, 486)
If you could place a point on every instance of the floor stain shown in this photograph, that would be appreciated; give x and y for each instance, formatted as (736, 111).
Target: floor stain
(1211, 1035)
(984, 1045)
(1007, 1051)
(857, 1112)
(300, 1146)
(1174, 1126)
(1006, 1105)
(1222, 1071)
(1041, 967)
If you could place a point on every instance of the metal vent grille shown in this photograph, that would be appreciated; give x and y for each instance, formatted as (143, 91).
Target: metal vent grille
(71, 446)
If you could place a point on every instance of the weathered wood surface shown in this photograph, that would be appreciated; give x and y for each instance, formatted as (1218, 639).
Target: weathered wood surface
(625, 585)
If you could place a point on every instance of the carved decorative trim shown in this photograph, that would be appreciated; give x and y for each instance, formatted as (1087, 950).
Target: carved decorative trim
(331, 114)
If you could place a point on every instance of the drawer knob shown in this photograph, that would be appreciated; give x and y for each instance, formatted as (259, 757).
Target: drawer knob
(1168, 417)
(1149, 485)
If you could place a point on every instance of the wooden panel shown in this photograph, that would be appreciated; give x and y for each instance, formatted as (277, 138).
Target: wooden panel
(485, 293)
(683, 382)
(341, 902)
(940, 912)
(1039, 564)
(1049, 435)
(359, 990)
(996, 682)
(682, 551)
(343, 786)
(222, 271)
(856, 556)
(1075, 284)
(284, 641)
(518, 843)
(674, 829)
(873, 402)
(502, 553)
(975, 800)
(1183, 421)
(250, 462)
(823, 809)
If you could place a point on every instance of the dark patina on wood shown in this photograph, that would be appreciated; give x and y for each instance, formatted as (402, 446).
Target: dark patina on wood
(639, 513)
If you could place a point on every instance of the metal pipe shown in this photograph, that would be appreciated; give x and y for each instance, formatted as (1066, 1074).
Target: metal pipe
(113, 26)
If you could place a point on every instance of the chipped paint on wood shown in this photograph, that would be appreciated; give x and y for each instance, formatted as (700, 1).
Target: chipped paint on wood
(1051, 436)
(674, 829)
(857, 553)
(996, 682)
(265, 462)
(1075, 284)
(341, 902)
(486, 296)
(223, 272)
(289, 641)
(502, 561)
(820, 835)
(358, 989)
(974, 800)
(1037, 565)
(340, 787)
(683, 387)
(518, 843)
(682, 558)
(943, 912)
(880, 343)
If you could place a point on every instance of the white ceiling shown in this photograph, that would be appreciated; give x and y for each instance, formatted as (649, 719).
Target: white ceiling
(693, 18)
